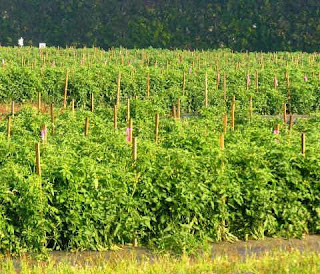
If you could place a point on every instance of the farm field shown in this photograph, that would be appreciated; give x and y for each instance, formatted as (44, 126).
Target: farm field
(166, 149)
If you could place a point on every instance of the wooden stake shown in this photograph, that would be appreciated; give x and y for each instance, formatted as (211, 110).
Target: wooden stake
(118, 89)
(174, 115)
(115, 114)
(128, 110)
(225, 86)
(39, 101)
(290, 121)
(206, 91)
(257, 80)
(9, 127)
(178, 108)
(134, 148)
(284, 112)
(12, 108)
(222, 147)
(233, 106)
(225, 123)
(303, 144)
(148, 85)
(222, 142)
(66, 90)
(86, 127)
(184, 83)
(38, 166)
(131, 129)
(156, 130)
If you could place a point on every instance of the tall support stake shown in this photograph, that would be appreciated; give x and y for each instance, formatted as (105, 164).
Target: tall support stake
(118, 89)
(128, 110)
(257, 80)
(225, 123)
(115, 118)
(148, 85)
(222, 147)
(303, 144)
(225, 87)
(9, 127)
(86, 127)
(178, 108)
(38, 166)
(232, 112)
(131, 129)
(184, 83)
(66, 90)
(206, 91)
(290, 121)
(12, 108)
(39, 101)
(284, 113)
(156, 128)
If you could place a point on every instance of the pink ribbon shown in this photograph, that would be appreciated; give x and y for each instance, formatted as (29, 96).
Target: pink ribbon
(43, 134)
(128, 132)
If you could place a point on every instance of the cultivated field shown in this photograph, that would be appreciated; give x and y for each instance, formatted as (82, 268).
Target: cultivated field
(157, 148)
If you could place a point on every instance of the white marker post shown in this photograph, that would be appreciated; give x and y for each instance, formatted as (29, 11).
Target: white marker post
(20, 42)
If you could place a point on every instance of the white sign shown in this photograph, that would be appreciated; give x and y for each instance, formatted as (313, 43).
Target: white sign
(42, 45)
(20, 42)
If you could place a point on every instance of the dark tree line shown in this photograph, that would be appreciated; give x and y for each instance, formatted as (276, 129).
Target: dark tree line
(266, 25)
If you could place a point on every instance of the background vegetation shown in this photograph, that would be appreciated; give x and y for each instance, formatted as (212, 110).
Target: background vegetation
(266, 25)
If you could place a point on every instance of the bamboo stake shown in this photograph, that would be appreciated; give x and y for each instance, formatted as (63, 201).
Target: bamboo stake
(39, 101)
(222, 147)
(232, 112)
(38, 166)
(284, 112)
(131, 129)
(184, 83)
(9, 127)
(148, 85)
(290, 121)
(222, 142)
(225, 123)
(257, 80)
(115, 114)
(178, 108)
(206, 91)
(225, 86)
(86, 127)
(12, 108)
(128, 110)
(118, 89)
(303, 144)
(174, 115)
(134, 148)
(66, 90)
(156, 131)
(134, 158)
